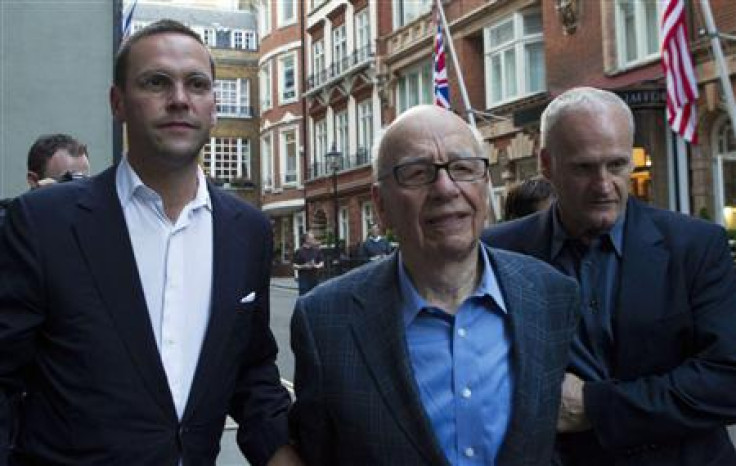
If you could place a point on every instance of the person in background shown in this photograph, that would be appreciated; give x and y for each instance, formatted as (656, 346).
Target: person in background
(308, 262)
(446, 352)
(134, 306)
(375, 246)
(653, 364)
(528, 196)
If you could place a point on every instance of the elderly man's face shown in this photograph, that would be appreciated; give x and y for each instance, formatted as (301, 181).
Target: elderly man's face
(589, 162)
(441, 220)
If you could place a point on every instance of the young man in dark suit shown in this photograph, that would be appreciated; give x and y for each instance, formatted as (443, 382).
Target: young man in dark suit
(445, 352)
(654, 362)
(134, 305)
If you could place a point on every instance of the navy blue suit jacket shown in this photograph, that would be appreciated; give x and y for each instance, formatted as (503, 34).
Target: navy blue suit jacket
(76, 334)
(674, 363)
(357, 402)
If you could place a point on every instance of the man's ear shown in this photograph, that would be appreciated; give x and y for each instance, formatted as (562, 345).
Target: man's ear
(545, 162)
(379, 207)
(32, 178)
(116, 104)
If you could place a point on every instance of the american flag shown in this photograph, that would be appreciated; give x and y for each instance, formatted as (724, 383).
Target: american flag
(682, 85)
(439, 74)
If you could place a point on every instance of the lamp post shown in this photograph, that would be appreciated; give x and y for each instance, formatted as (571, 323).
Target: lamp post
(334, 158)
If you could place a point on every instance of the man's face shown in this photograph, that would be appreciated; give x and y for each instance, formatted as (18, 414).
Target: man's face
(588, 160)
(61, 163)
(168, 100)
(442, 220)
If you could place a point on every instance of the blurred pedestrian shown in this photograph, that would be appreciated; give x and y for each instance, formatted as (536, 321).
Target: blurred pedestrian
(375, 246)
(527, 196)
(308, 262)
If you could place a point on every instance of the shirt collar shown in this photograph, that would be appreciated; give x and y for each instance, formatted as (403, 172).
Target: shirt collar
(412, 301)
(130, 185)
(560, 236)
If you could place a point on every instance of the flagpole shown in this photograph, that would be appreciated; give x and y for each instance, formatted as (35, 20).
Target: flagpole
(715, 44)
(461, 81)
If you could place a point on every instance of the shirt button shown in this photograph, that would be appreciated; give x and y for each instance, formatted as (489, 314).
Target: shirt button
(469, 452)
(461, 332)
(467, 393)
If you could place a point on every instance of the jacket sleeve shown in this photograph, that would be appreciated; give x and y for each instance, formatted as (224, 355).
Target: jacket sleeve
(260, 403)
(308, 421)
(21, 313)
(697, 395)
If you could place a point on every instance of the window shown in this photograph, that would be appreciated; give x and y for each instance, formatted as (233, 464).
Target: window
(244, 40)
(318, 61)
(289, 156)
(514, 58)
(264, 13)
(341, 133)
(344, 226)
(299, 227)
(406, 11)
(208, 35)
(366, 217)
(365, 131)
(264, 78)
(637, 31)
(233, 98)
(320, 148)
(286, 11)
(362, 35)
(266, 162)
(227, 159)
(339, 49)
(415, 87)
(287, 78)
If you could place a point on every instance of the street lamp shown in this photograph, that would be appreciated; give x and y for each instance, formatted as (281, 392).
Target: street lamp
(334, 158)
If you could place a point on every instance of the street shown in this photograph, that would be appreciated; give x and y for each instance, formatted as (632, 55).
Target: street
(283, 296)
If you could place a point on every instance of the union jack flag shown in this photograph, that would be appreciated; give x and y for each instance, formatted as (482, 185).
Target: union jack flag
(682, 85)
(439, 74)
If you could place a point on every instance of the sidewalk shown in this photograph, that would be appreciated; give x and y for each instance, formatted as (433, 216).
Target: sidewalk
(287, 283)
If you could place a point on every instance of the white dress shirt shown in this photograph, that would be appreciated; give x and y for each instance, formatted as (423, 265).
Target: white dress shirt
(175, 267)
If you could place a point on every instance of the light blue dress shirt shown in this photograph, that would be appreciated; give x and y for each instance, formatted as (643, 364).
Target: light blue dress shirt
(461, 366)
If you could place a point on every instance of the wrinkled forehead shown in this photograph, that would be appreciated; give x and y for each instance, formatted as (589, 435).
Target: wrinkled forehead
(430, 142)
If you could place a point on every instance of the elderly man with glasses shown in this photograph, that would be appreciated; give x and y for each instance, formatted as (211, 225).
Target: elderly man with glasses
(446, 352)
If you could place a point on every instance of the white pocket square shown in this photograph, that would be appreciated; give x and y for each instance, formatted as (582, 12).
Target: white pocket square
(249, 298)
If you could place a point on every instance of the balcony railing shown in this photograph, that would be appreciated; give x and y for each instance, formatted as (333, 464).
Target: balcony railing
(359, 159)
(340, 67)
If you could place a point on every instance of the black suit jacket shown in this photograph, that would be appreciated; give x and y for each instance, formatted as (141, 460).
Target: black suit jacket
(674, 362)
(76, 334)
(357, 402)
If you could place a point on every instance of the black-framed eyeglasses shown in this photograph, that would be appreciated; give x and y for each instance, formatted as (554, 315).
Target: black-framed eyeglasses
(70, 176)
(423, 172)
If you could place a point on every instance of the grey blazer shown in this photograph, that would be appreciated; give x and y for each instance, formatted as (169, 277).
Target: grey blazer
(357, 400)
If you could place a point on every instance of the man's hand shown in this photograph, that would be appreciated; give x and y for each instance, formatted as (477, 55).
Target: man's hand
(571, 417)
(285, 456)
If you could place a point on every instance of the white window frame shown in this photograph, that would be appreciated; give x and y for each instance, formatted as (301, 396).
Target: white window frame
(244, 39)
(264, 16)
(344, 225)
(264, 77)
(520, 44)
(367, 214)
(318, 61)
(414, 87)
(364, 117)
(342, 133)
(363, 34)
(299, 227)
(289, 177)
(285, 17)
(220, 154)
(406, 11)
(641, 33)
(320, 148)
(267, 162)
(340, 49)
(233, 98)
(291, 94)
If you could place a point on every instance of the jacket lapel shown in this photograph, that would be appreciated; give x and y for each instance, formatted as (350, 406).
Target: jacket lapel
(527, 358)
(104, 241)
(643, 274)
(378, 331)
